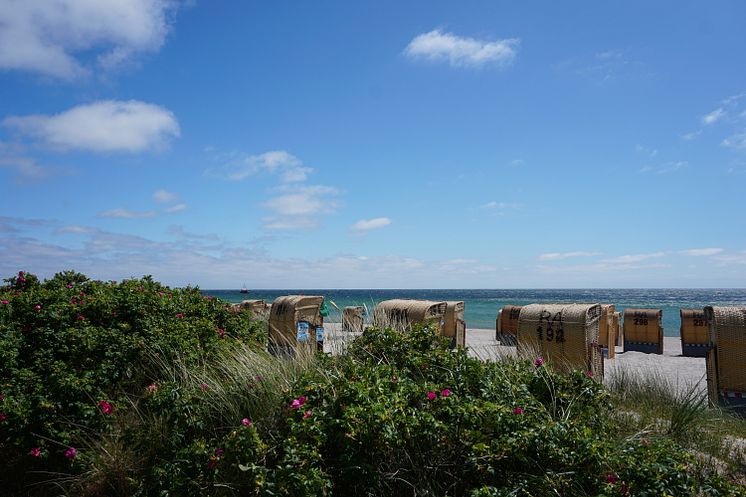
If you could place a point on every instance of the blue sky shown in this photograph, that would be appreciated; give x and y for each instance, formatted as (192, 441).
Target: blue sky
(381, 144)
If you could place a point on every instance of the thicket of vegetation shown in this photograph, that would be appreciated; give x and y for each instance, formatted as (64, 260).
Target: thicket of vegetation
(133, 388)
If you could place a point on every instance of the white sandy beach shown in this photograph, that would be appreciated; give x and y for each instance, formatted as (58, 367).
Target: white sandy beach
(683, 373)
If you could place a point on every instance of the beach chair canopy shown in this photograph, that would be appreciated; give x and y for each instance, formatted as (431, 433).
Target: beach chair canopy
(401, 313)
(604, 324)
(255, 306)
(454, 317)
(567, 334)
(727, 326)
(287, 311)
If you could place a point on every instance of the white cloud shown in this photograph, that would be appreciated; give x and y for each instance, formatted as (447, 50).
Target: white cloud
(371, 224)
(714, 116)
(557, 256)
(500, 205)
(47, 37)
(702, 252)
(668, 167)
(650, 152)
(731, 259)
(462, 51)
(164, 196)
(175, 208)
(299, 206)
(737, 141)
(633, 259)
(127, 214)
(517, 162)
(289, 166)
(692, 135)
(104, 126)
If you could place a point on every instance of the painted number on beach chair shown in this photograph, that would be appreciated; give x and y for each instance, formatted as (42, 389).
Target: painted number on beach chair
(552, 325)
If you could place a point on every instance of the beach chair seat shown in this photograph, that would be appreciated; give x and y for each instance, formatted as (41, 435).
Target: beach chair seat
(726, 358)
(643, 330)
(565, 334)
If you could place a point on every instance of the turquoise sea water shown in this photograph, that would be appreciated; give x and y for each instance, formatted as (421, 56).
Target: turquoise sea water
(482, 305)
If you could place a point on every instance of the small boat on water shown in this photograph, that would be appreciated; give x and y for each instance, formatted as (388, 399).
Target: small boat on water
(244, 289)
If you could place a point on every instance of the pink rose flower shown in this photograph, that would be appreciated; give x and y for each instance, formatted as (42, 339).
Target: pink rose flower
(6, 302)
(221, 332)
(445, 392)
(246, 422)
(307, 414)
(518, 410)
(297, 403)
(431, 395)
(35, 452)
(204, 386)
(611, 478)
(106, 407)
(219, 452)
(180, 315)
(69, 285)
(3, 417)
(589, 374)
(80, 317)
(152, 387)
(37, 307)
(71, 453)
(538, 362)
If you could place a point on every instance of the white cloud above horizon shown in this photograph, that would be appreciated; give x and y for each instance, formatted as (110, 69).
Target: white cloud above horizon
(633, 258)
(298, 207)
(164, 196)
(700, 252)
(462, 51)
(103, 126)
(121, 213)
(365, 225)
(49, 38)
(557, 256)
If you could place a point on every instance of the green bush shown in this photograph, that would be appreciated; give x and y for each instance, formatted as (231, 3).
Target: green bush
(73, 351)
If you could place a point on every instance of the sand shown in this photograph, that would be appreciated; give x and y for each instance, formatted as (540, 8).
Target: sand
(682, 373)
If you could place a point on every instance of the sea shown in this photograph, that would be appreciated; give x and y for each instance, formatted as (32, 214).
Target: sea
(481, 306)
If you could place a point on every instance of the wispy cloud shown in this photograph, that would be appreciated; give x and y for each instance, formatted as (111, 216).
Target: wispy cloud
(517, 162)
(175, 208)
(121, 213)
(649, 152)
(165, 197)
(104, 126)
(47, 37)
(714, 116)
(700, 252)
(557, 256)
(494, 205)
(299, 207)
(736, 141)
(239, 167)
(462, 51)
(365, 225)
(602, 66)
(633, 259)
(665, 168)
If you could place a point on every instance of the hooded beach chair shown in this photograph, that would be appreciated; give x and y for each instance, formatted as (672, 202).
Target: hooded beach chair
(455, 326)
(643, 331)
(726, 367)
(507, 324)
(259, 308)
(353, 318)
(695, 333)
(295, 322)
(401, 314)
(565, 334)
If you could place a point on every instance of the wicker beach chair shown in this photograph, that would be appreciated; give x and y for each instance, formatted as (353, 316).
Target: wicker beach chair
(259, 308)
(507, 325)
(695, 333)
(353, 319)
(726, 368)
(566, 334)
(616, 323)
(607, 330)
(454, 325)
(295, 323)
(401, 314)
(643, 331)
